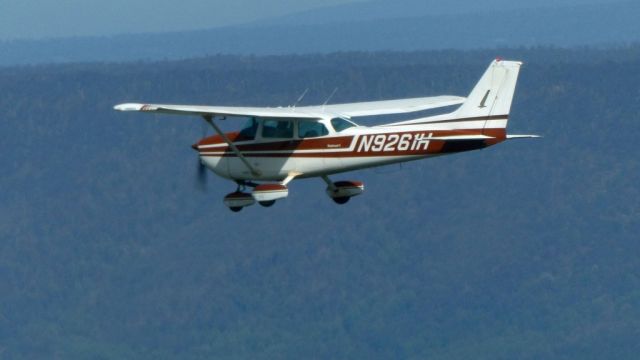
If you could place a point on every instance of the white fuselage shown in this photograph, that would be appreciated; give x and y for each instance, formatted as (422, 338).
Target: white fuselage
(353, 148)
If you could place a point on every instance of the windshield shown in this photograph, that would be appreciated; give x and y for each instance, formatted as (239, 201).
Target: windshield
(341, 124)
(249, 129)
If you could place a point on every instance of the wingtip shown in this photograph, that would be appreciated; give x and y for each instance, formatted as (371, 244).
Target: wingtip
(503, 62)
(127, 107)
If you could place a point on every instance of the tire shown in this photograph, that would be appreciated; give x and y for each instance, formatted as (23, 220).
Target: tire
(267, 203)
(235, 208)
(341, 200)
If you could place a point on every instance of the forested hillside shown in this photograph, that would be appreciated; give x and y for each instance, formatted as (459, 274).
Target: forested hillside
(526, 250)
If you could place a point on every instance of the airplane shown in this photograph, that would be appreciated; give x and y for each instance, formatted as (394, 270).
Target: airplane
(280, 144)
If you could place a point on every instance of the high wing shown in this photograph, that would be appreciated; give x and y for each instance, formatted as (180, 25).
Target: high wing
(387, 107)
(371, 108)
(219, 111)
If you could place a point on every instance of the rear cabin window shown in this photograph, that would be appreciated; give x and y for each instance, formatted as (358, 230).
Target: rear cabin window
(311, 129)
(341, 124)
(249, 130)
(278, 129)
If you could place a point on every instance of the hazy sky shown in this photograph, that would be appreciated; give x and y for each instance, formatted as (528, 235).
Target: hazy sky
(57, 18)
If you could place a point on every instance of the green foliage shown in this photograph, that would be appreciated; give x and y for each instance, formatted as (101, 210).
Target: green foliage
(527, 250)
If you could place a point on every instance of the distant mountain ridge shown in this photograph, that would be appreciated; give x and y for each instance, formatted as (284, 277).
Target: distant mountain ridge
(568, 26)
(381, 9)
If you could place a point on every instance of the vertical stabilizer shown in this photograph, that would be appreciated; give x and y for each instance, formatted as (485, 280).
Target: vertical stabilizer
(493, 94)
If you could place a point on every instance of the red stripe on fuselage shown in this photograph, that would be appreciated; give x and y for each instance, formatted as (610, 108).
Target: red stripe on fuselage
(406, 143)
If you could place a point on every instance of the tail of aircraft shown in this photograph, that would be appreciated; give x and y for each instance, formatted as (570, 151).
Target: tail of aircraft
(487, 106)
(491, 98)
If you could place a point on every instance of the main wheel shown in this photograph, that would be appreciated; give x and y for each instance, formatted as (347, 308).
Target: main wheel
(267, 203)
(235, 208)
(341, 200)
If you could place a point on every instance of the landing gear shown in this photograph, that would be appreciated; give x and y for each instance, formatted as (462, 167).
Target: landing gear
(264, 194)
(267, 194)
(239, 199)
(342, 191)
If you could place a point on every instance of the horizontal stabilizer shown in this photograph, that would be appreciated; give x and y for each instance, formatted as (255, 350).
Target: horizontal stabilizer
(461, 137)
(523, 136)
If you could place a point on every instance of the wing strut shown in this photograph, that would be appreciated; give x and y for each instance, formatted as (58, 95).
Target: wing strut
(234, 148)
(330, 183)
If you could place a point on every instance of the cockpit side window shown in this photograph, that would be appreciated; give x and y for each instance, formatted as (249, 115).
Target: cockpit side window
(341, 124)
(311, 129)
(249, 129)
(279, 129)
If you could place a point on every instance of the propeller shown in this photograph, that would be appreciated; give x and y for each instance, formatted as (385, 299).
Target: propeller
(201, 176)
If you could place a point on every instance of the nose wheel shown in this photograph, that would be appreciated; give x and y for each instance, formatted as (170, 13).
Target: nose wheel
(238, 200)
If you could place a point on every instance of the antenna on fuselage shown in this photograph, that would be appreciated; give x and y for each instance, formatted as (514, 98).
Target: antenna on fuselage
(329, 98)
(301, 97)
